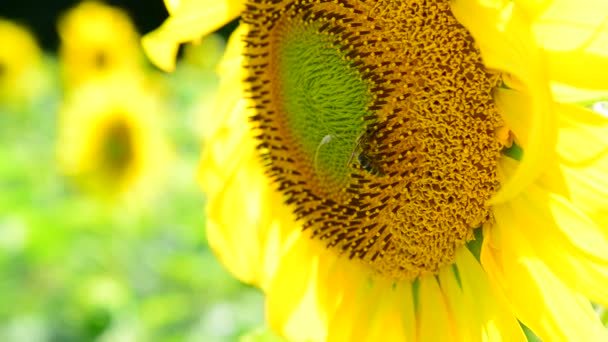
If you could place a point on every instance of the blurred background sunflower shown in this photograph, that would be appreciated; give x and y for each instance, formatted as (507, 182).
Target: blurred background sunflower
(102, 230)
(97, 39)
(110, 139)
(22, 74)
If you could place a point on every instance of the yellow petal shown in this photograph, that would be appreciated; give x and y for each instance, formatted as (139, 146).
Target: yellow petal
(173, 5)
(232, 176)
(229, 109)
(330, 279)
(467, 327)
(354, 288)
(405, 304)
(588, 189)
(503, 34)
(272, 242)
(227, 149)
(565, 93)
(239, 254)
(569, 243)
(507, 167)
(479, 312)
(371, 310)
(538, 297)
(583, 145)
(305, 323)
(434, 322)
(583, 135)
(574, 35)
(232, 61)
(189, 20)
(514, 107)
(367, 317)
(385, 321)
(579, 69)
(291, 280)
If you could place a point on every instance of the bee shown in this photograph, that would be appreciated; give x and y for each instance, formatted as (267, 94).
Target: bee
(366, 161)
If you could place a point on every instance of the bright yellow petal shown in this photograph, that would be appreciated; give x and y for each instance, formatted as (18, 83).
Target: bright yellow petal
(583, 135)
(353, 290)
(232, 176)
(434, 322)
(242, 258)
(190, 20)
(504, 36)
(233, 59)
(574, 35)
(230, 100)
(564, 93)
(467, 327)
(566, 240)
(588, 189)
(290, 284)
(367, 316)
(329, 281)
(226, 150)
(384, 321)
(226, 130)
(173, 5)
(305, 323)
(479, 312)
(405, 303)
(514, 106)
(372, 310)
(538, 297)
(583, 145)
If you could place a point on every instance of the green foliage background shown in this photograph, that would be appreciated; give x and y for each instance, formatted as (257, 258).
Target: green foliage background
(71, 270)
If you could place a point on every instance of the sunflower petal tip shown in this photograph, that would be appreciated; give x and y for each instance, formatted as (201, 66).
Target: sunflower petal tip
(161, 53)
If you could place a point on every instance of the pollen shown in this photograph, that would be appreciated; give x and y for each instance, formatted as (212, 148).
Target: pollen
(376, 121)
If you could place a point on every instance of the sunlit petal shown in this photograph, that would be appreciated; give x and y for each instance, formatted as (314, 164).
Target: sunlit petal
(539, 298)
(517, 55)
(190, 20)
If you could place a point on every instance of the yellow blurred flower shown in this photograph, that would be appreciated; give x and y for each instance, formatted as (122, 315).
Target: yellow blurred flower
(21, 75)
(97, 39)
(111, 141)
(389, 133)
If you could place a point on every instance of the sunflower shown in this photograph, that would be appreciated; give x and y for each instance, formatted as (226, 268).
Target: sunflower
(21, 76)
(111, 141)
(409, 170)
(96, 39)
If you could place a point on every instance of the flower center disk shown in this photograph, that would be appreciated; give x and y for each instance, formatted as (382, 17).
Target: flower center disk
(376, 121)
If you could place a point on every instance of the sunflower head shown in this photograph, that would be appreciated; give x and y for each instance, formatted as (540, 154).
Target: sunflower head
(20, 63)
(369, 133)
(111, 141)
(389, 132)
(96, 39)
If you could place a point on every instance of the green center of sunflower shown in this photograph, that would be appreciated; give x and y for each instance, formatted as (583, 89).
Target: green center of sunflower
(322, 98)
(376, 121)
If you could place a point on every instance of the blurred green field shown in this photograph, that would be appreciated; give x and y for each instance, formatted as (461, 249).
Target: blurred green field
(73, 268)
